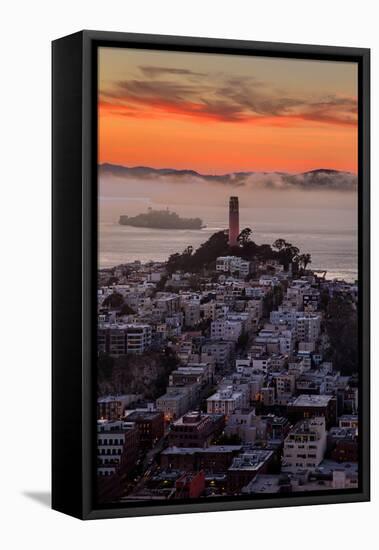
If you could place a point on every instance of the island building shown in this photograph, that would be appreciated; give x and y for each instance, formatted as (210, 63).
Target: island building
(233, 221)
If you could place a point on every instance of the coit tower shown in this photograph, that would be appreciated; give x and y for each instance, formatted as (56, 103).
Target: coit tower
(234, 223)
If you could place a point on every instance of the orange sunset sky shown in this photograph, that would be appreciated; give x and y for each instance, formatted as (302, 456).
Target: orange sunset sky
(217, 114)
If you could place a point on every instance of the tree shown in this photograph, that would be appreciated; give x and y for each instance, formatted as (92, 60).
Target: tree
(304, 260)
(194, 283)
(341, 324)
(279, 244)
(204, 257)
(277, 296)
(126, 310)
(243, 340)
(324, 300)
(173, 262)
(105, 364)
(245, 236)
(292, 252)
(112, 281)
(268, 303)
(113, 301)
(287, 252)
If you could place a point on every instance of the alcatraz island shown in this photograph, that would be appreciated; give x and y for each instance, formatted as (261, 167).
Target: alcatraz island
(161, 219)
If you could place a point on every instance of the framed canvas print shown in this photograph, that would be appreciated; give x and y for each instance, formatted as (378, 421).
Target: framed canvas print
(210, 275)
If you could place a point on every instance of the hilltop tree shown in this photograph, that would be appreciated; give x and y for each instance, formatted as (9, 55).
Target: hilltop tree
(206, 254)
(217, 245)
(245, 236)
(304, 260)
(287, 252)
(279, 244)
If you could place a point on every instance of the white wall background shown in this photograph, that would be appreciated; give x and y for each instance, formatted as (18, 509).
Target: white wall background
(26, 31)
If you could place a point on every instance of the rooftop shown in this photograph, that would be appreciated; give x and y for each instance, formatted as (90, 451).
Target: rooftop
(263, 483)
(114, 426)
(305, 400)
(225, 395)
(171, 396)
(251, 460)
(210, 449)
(329, 466)
(143, 415)
(343, 433)
(307, 426)
(112, 398)
(351, 417)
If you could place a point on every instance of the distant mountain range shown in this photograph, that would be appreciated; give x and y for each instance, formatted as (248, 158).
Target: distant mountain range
(318, 179)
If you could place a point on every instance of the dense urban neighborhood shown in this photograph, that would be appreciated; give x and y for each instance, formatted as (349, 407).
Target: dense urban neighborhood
(227, 370)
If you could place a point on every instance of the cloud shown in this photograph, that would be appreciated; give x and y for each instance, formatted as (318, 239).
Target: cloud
(153, 72)
(314, 180)
(190, 94)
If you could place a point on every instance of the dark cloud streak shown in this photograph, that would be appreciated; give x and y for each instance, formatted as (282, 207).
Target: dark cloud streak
(225, 99)
(158, 71)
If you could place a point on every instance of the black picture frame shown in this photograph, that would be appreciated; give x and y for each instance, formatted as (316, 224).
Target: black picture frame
(74, 206)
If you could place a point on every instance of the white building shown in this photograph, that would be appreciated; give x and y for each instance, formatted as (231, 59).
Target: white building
(232, 264)
(261, 363)
(177, 400)
(305, 445)
(285, 384)
(224, 329)
(286, 342)
(285, 316)
(269, 280)
(308, 328)
(217, 351)
(201, 373)
(168, 303)
(244, 366)
(246, 425)
(225, 401)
